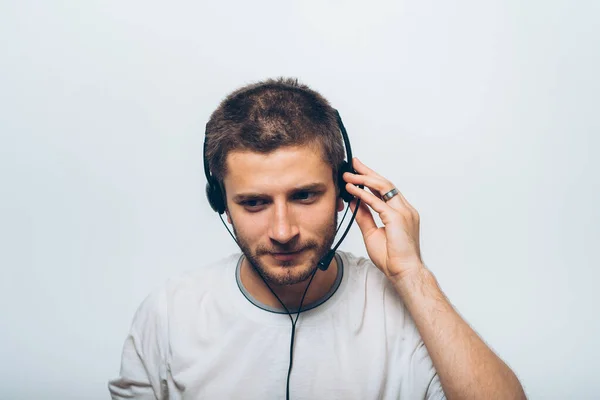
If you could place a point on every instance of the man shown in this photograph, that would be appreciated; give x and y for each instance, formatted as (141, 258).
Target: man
(365, 329)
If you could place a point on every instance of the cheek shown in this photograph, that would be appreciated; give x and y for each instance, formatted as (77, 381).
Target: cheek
(319, 218)
(250, 227)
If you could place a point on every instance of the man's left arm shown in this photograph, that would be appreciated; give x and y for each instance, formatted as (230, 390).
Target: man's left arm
(467, 368)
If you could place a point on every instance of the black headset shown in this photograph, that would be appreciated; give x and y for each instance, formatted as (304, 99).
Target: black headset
(218, 203)
(215, 194)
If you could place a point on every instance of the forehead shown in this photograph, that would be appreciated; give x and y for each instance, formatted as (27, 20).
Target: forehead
(281, 169)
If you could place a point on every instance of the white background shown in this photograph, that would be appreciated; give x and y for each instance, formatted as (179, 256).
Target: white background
(484, 114)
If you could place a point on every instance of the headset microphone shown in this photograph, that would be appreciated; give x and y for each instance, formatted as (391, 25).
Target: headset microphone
(325, 261)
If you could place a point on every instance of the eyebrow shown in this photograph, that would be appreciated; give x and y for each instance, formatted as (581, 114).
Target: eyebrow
(318, 186)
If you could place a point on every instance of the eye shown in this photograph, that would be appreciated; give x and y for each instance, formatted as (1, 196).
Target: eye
(305, 196)
(253, 204)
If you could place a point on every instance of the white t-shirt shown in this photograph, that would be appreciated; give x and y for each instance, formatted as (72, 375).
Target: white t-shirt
(202, 336)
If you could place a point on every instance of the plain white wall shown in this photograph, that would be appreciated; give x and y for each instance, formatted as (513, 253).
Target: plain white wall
(484, 113)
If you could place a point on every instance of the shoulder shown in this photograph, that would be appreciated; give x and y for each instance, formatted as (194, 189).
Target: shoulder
(354, 261)
(372, 291)
(185, 287)
(204, 278)
(361, 270)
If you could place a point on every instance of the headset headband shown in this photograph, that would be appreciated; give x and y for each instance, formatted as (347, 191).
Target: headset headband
(214, 193)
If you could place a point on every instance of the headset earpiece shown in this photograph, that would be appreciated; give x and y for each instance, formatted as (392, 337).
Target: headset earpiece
(345, 167)
(215, 196)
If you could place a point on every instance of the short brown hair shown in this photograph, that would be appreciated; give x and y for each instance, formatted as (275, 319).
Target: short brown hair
(267, 115)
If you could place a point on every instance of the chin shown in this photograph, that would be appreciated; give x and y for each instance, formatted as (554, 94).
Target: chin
(287, 272)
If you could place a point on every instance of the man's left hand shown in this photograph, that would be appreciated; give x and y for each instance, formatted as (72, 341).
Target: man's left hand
(393, 248)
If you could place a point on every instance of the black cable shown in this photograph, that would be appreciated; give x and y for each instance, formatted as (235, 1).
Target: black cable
(342, 221)
(287, 390)
(323, 263)
(349, 224)
(329, 253)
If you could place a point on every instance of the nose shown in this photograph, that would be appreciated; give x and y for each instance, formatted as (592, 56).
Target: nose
(283, 225)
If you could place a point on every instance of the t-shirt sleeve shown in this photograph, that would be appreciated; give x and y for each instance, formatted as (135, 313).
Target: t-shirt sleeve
(435, 391)
(412, 367)
(143, 362)
(424, 372)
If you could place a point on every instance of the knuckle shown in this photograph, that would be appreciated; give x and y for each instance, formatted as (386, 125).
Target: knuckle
(406, 215)
(401, 215)
(416, 215)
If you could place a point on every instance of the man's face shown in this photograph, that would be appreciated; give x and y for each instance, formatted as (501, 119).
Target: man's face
(283, 207)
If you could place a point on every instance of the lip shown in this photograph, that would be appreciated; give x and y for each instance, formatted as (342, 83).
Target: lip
(286, 256)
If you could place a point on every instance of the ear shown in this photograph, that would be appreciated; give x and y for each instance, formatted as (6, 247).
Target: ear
(228, 216)
(340, 204)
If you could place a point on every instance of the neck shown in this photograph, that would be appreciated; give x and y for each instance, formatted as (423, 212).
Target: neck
(290, 295)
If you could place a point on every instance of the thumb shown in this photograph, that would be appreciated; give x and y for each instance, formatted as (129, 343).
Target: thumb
(364, 218)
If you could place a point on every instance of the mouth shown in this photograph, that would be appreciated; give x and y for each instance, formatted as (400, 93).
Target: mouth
(287, 256)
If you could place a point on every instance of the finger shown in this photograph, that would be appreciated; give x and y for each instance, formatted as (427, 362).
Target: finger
(400, 197)
(404, 201)
(373, 182)
(370, 199)
(363, 169)
(364, 218)
(377, 185)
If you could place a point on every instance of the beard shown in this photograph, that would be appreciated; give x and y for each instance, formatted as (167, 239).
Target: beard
(294, 271)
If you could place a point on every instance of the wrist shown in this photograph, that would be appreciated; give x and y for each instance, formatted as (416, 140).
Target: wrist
(409, 274)
(416, 281)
